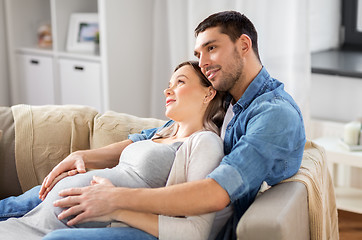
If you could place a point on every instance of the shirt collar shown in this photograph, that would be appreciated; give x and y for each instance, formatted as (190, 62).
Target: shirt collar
(251, 92)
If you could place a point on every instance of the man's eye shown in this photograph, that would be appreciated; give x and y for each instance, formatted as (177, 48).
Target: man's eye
(210, 48)
(180, 81)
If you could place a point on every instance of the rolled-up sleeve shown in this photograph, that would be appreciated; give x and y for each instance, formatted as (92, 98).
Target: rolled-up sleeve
(229, 179)
(147, 133)
(270, 149)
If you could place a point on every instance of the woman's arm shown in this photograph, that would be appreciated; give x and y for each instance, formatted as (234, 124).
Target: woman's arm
(104, 157)
(197, 157)
(78, 161)
(194, 161)
(147, 222)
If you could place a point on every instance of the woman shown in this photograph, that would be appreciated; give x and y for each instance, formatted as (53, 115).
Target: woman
(185, 150)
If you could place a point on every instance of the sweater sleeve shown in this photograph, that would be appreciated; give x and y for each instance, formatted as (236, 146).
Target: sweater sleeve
(195, 159)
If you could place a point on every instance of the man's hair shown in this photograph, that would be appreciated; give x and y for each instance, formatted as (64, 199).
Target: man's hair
(233, 24)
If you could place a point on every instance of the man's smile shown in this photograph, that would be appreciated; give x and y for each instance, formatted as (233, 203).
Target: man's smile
(210, 74)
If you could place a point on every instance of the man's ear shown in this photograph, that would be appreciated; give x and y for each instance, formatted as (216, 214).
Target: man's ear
(245, 43)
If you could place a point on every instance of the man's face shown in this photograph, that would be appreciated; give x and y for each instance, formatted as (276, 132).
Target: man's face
(219, 59)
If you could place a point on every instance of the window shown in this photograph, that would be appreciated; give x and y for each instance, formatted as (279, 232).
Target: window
(352, 21)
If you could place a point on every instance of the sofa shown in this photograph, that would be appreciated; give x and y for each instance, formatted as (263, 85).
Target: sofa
(35, 138)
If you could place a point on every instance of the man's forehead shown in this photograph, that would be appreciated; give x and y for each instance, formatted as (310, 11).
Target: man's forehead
(207, 34)
(210, 35)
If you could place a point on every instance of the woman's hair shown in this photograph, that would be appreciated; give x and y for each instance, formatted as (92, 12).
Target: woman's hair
(215, 112)
(233, 24)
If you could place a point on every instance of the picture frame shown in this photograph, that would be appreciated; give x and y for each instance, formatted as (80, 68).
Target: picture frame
(82, 32)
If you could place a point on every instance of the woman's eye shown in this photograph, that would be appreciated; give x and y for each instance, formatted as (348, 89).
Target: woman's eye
(180, 81)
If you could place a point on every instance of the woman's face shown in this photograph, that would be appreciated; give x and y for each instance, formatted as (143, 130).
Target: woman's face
(185, 95)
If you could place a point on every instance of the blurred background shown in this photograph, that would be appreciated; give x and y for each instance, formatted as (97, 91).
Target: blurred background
(132, 46)
(142, 41)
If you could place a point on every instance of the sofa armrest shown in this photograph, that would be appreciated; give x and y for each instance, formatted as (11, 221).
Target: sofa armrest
(279, 213)
(9, 183)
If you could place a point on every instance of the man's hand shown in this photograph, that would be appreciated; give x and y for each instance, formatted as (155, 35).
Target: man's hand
(71, 165)
(88, 203)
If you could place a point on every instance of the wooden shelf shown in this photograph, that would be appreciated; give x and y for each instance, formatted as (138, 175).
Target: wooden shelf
(80, 56)
(70, 55)
(35, 50)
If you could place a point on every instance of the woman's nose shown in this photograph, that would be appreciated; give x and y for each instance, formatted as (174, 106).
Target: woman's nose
(167, 91)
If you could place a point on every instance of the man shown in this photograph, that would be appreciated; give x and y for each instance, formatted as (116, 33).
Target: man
(263, 137)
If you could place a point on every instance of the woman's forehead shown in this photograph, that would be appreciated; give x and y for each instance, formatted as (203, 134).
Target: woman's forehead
(186, 71)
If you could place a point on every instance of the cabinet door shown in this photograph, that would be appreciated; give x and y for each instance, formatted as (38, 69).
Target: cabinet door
(36, 79)
(80, 83)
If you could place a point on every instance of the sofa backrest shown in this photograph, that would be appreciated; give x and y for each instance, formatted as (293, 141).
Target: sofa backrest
(112, 127)
(45, 135)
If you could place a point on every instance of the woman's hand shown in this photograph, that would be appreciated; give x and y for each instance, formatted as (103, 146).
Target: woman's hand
(101, 181)
(45, 190)
(71, 165)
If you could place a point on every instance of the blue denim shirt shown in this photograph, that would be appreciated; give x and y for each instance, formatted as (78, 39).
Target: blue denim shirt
(264, 141)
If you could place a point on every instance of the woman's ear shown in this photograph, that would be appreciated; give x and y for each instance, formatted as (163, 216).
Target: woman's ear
(210, 94)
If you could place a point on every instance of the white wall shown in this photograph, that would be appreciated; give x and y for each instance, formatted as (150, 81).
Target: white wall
(324, 18)
(133, 67)
(336, 98)
(4, 84)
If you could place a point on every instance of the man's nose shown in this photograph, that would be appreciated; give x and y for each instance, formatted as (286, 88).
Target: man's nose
(204, 61)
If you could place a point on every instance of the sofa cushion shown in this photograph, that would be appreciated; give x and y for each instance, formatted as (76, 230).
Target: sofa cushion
(112, 127)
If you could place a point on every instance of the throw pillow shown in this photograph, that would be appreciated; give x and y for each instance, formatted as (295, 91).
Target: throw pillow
(45, 135)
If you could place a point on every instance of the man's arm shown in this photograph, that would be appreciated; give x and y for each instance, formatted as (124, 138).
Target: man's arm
(186, 199)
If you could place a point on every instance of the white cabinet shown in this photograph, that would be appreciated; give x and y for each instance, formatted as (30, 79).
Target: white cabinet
(80, 83)
(124, 50)
(348, 198)
(36, 79)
